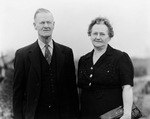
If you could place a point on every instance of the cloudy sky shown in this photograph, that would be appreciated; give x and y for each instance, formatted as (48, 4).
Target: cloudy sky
(129, 18)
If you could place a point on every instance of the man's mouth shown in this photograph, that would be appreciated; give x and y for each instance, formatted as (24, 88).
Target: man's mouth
(98, 41)
(46, 30)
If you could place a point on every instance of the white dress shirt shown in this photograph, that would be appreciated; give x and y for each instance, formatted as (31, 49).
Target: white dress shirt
(42, 47)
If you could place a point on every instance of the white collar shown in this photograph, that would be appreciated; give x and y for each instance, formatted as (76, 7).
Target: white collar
(42, 45)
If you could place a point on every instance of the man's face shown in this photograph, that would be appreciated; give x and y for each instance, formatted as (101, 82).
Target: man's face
(44, 24)
(100, 36)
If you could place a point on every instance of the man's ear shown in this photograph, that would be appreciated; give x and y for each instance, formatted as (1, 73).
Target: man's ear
(53, 24)
(34, 24)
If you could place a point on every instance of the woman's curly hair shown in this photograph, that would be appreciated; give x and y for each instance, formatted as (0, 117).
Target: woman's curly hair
(101, 20)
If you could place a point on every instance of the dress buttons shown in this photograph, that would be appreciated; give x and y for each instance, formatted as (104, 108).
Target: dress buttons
(91, 68)
(90, 84)
(49, 106)
(91, 75)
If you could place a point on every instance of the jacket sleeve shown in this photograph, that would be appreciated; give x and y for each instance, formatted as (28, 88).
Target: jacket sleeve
(18, 86)
(81, 72)
(72, 87)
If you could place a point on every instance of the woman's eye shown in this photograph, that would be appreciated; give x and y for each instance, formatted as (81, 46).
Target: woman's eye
(95, 33)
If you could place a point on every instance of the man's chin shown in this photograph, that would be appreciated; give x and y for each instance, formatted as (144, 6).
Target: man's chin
(46, 36)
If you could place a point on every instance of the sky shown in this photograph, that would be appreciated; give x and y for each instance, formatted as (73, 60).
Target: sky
(130, 20)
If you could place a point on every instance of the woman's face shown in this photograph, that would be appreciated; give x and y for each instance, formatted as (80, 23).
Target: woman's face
(100, 36)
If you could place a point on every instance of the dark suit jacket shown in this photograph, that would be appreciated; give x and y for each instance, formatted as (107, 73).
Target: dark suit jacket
(27, 82)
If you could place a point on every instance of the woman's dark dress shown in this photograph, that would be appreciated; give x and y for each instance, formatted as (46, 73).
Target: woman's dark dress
(102, 82)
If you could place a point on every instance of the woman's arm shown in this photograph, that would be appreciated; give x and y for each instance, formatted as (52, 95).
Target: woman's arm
(127, 96)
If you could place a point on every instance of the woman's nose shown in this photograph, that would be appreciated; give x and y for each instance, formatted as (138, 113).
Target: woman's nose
(98, 37)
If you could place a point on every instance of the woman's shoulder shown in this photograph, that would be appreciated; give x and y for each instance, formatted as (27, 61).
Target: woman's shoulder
(119, 53)
(122, 57)
(86, 56)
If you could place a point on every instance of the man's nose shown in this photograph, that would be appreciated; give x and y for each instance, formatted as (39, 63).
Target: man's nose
(45, 24)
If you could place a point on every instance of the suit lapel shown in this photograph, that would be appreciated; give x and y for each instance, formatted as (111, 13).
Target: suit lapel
(59, 58)
(35, 58)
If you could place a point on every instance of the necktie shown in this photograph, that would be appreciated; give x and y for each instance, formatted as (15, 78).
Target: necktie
(47, 54)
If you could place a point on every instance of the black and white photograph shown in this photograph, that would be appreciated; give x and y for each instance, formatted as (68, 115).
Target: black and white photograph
(75, 59)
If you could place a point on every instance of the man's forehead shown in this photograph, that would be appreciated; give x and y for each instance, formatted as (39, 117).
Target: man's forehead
(44, 16)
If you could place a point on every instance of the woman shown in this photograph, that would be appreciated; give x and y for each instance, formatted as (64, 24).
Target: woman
(105, 75)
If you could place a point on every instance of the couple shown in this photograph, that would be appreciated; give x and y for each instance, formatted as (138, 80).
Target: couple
(45, 82)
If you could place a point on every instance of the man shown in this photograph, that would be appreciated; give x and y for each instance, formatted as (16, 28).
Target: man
(44, 77)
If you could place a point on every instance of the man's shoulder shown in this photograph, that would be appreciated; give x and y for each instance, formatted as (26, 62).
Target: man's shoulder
(25, 49)
(62, 47)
